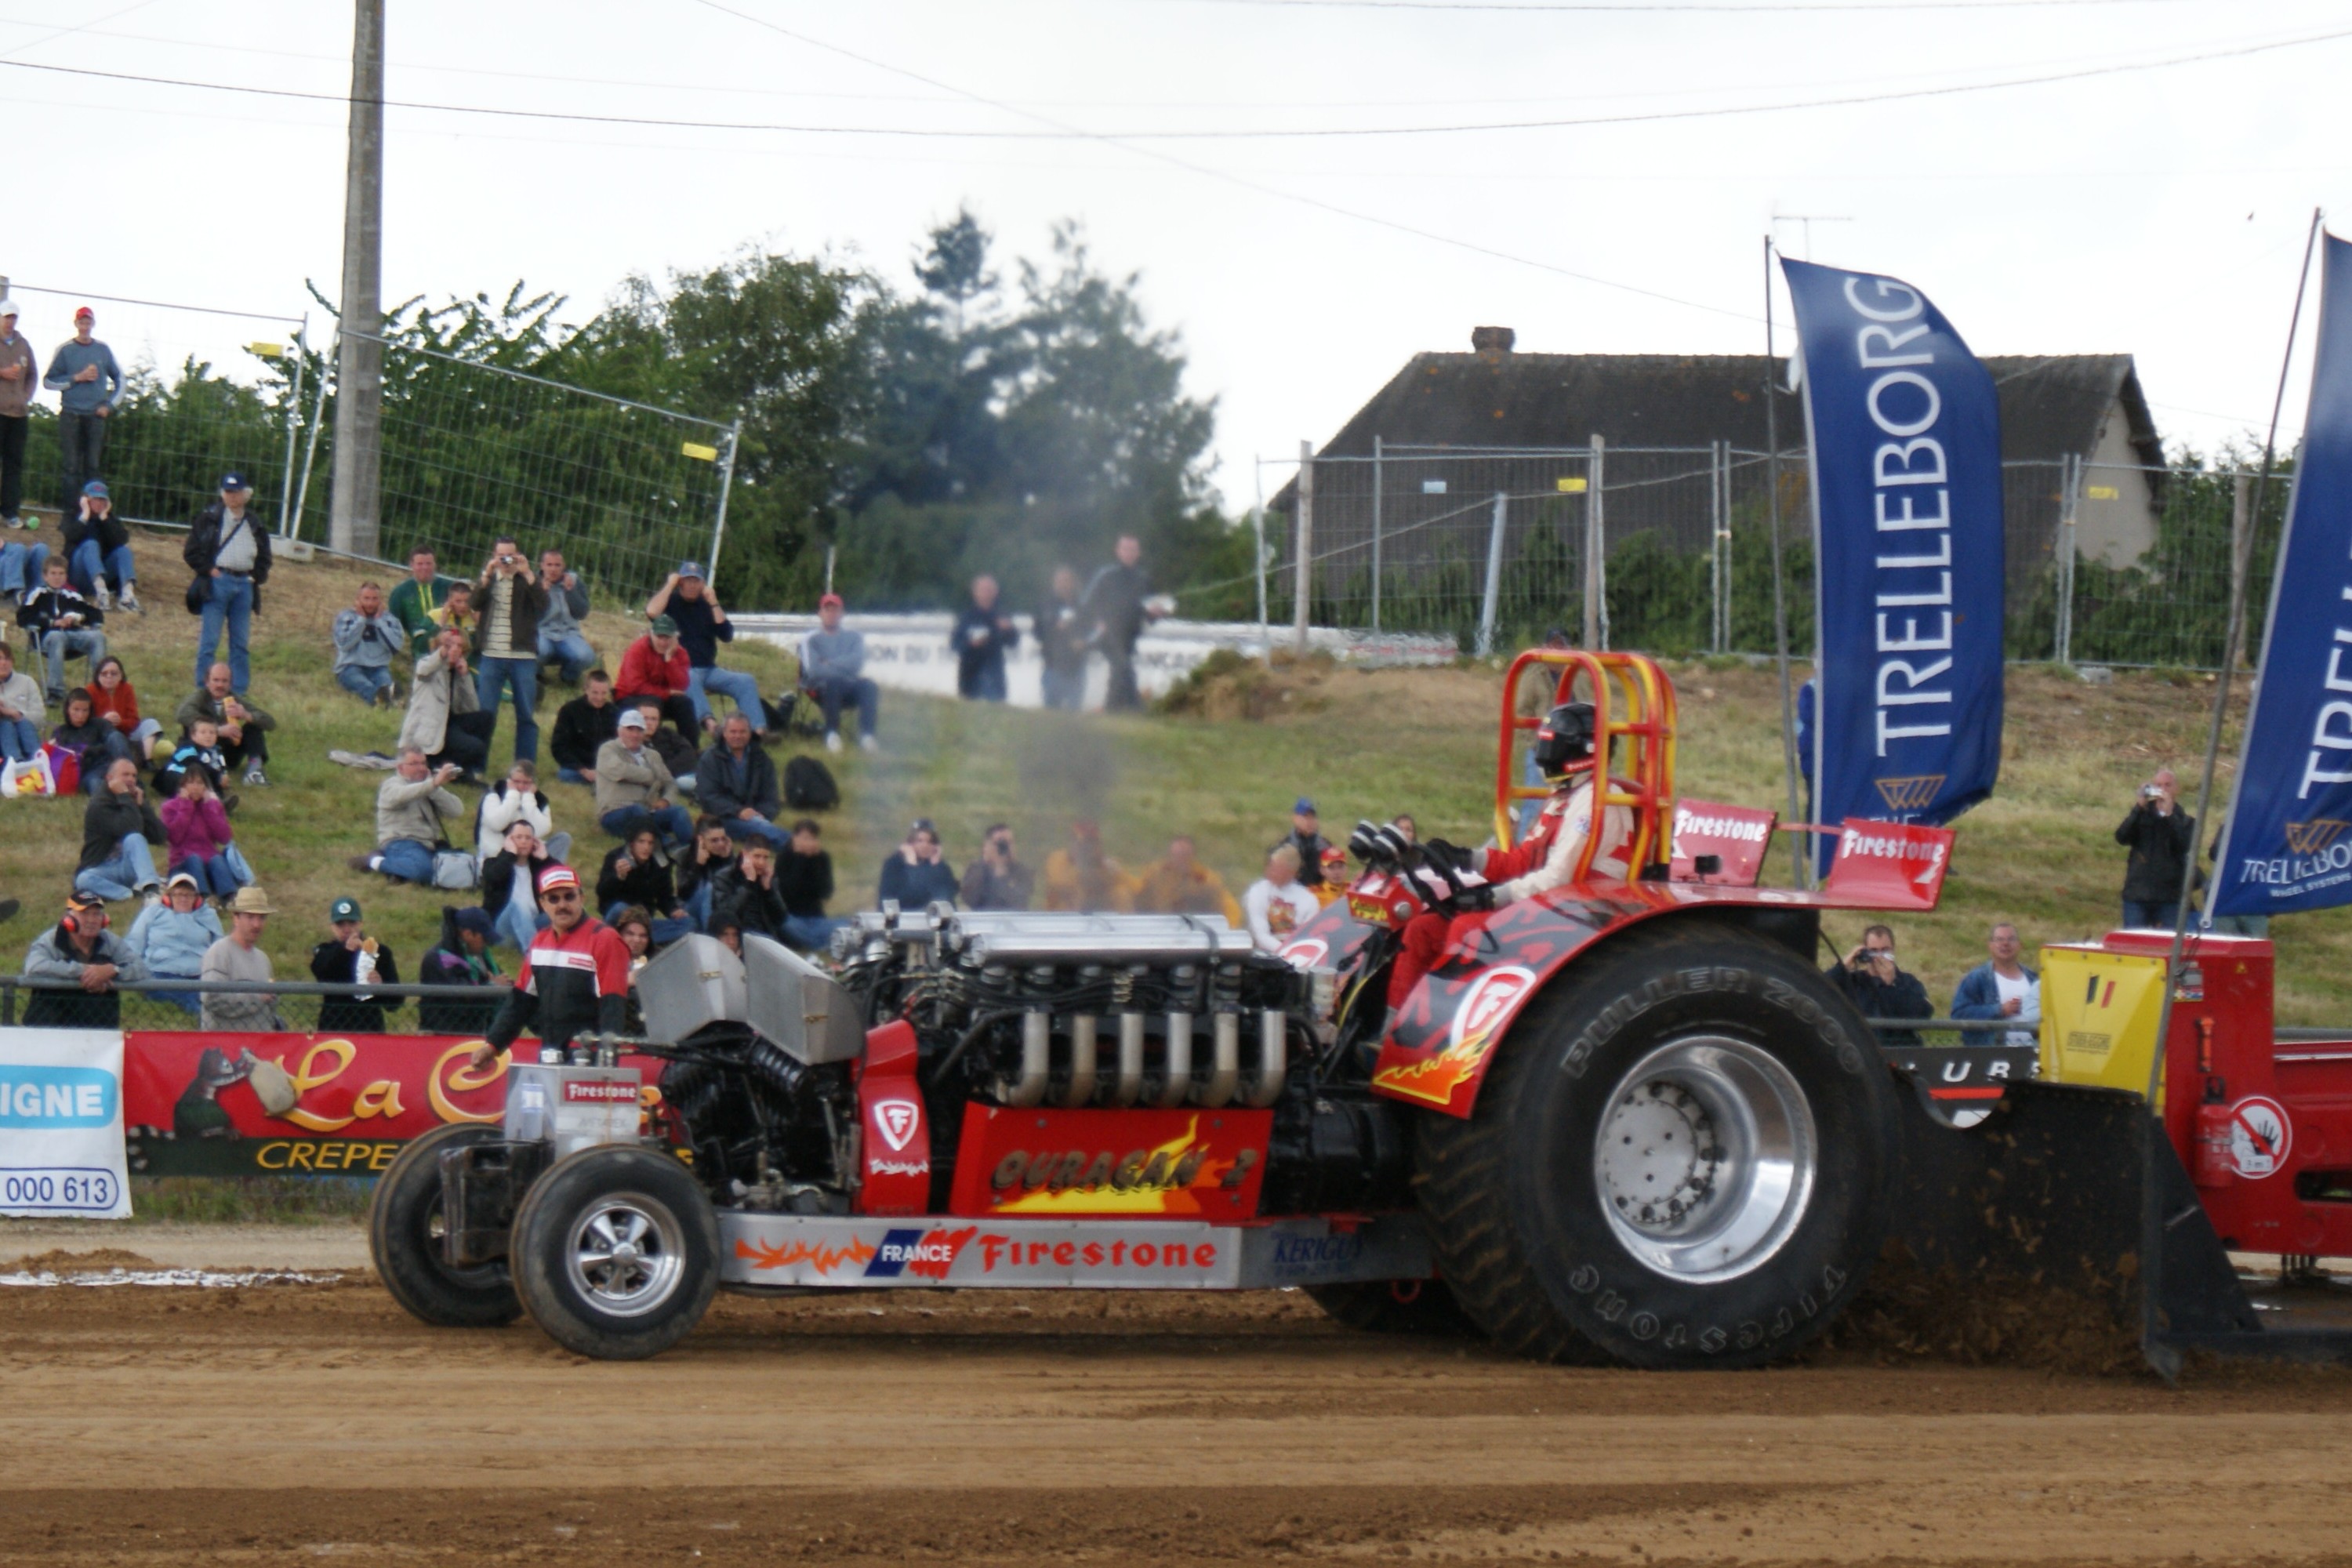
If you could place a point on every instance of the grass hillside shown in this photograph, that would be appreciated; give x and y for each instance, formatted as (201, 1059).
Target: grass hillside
(1363, 743)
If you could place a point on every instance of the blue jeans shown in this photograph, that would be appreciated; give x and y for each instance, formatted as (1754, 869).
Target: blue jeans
(734, 684)
(229, 605)
(129, 869)
(831, 691)
(665, 930)
(2140, 913)
(20, 739)
(573, 649)
(364, 681)
(570, 775)
(1065, 689)
(741, 828)
(60, 647)
(408, 860)
(491, 679)
(87, 562)
(20, 567)
(697, 905)
(675, 827)
(519, 926)
(814, 933)
(220, 876)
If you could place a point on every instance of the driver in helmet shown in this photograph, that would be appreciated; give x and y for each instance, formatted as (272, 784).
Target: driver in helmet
(1542, 861)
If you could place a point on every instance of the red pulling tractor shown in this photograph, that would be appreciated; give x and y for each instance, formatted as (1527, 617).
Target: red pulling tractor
(1627, 1121)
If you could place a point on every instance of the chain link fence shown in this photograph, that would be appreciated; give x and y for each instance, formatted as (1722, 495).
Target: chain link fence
(1670, 550)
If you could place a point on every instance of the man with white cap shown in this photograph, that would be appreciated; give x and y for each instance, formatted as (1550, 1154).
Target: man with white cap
(88, 384)
(20, 376)
(634, 787)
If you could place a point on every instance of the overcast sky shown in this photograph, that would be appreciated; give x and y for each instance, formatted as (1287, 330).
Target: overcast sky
(2159, 211)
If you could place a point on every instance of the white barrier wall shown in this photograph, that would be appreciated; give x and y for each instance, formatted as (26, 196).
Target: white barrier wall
(911, 652)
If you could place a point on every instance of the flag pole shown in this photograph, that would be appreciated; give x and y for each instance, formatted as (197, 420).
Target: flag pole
(2222, 682)
(1799, 849)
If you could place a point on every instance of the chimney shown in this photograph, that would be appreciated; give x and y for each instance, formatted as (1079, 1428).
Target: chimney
(1492, 340)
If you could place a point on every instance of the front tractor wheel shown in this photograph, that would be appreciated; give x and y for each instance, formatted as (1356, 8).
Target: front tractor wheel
(1679, 1158)
(404, 1234)
(615, 1253)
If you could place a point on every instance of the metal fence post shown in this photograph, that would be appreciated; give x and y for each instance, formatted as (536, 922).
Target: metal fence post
(310, 441)
(2071, 488)
(2242, 535)
(726, 487)
(1719, 540)
(293, 429)
(1257, 533)
(1596, 544)
(1376, 533)
(1303, 576)
(1494, 575)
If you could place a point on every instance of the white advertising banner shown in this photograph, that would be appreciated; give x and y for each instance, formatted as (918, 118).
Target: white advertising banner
(61, 1125)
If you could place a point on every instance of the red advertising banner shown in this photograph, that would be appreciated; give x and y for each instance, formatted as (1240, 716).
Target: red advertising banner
(284, 1104)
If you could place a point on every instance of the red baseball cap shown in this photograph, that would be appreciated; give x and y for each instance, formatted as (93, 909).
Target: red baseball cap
(559, 877)
(85, 311)
(830, 601)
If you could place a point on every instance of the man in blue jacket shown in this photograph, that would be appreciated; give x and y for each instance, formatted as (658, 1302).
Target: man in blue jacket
(2000, 988)
(88, 384)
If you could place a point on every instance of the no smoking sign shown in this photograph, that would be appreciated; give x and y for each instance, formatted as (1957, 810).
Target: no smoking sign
(2259, 1135)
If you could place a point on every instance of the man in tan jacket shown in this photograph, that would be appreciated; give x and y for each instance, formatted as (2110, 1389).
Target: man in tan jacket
(634, 785)
(446, 720)
(410, 809)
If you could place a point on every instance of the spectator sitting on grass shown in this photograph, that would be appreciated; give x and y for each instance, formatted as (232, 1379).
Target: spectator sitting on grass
(517, 798)
(417, 599)
(352, 957)
(117, 828)
(459, 613)
(98, 546)
(510, 883)
(201, 841)
(804, 880)
(735, 781)
(2000, 988)
(1178, 884)
(690, 605)
(745, 896)
(64, 624)
(1274, 905)
(21, 710)
(713, 849)
(1869, 977)
(1080, 877)
(916, 874)
(366, 637)
(170, 939)
(634, 927)
(582, 726)
(84, 959)
(462, 957)
(446, 720)
(237, 958)
(655, 665)
(21, 564)
(674, 747)
(244, 726)
(833, 665)
(410, 807)
(198, 752)
(91, 740)
(117, 704)
(638, 873)
(634, 787)
(997, 880)
(560, 639)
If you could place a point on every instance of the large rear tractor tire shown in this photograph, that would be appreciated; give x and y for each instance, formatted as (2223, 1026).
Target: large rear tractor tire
(404, 1240)
(1680, 1157)
(1396, 1307)
(615, 1253)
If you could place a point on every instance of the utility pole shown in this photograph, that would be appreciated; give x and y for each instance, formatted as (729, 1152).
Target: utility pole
(354, 521)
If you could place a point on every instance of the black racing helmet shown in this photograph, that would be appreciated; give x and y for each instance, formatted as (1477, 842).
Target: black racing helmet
(1564, 739)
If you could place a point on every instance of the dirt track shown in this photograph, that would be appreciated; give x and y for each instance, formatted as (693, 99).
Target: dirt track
(290, 1422)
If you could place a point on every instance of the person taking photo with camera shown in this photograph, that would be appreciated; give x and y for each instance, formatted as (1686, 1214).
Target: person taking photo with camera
(996, 880)
(1879, 987)
(505, 645)
(2160, 837)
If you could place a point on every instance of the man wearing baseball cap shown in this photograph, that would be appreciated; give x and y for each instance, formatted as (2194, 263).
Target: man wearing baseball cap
(833, 665)
(702, 626)
(1306, 836)
(20, 374)
(98, 547)
(239, 958)
(88, 384)
(575, 978)
(228, 550)
(655, 665)
(352, 957)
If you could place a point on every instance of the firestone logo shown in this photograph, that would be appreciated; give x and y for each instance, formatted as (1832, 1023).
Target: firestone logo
(1721, 827)
(598, 1091)
(1496, 994)
(897, 1119)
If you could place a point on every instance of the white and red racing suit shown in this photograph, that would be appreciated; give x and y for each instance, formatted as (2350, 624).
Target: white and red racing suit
(1544, 861)
(573, 983)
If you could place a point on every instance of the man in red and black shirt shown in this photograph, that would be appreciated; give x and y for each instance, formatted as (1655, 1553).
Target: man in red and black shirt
(575, 980)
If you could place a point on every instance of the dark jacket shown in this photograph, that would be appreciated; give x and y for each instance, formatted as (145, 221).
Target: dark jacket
(174, 768)
(499, 873)
(52, 955)
(690, 872)
(2161, 848)
(724, 785)
(698, 632)
(917, 885)
(447, 963)
(332, 964)
(806, 882)
(202, 546)
(108, 820)
(43, 605)
(986, 888)
(1310, 847)
(1903, 998)
(648, 882)
(676, 753)
(529, 604)
(580, 728)
(1061, 629)
(980, 639)
(746, 905)
(112, 532)
(1114, 605)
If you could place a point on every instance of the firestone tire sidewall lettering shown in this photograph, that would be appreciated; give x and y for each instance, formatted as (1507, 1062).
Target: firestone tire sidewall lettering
(1635, 1314)
(407, 1196)
(543, 1229)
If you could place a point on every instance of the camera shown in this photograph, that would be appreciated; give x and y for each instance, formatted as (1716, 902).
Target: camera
(2150, 792)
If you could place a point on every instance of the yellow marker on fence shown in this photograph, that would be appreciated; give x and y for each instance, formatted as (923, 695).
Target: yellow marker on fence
(267, 351)
(2103, 492)
(698, 450)
(1571, 486)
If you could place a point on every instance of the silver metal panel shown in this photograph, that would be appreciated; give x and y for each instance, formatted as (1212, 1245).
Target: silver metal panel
(696, 982)
(574, 1108)
(799, 1006)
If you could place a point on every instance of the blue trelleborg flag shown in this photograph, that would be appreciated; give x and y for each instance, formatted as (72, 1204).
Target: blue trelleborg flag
(1908, 556)
(2288, 843)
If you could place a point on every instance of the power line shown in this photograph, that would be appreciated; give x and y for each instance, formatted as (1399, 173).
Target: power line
(1713, 8)
(17, 288)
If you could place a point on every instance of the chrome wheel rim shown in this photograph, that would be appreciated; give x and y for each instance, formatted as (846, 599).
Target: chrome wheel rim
(627, 1255)
(1706, 1159)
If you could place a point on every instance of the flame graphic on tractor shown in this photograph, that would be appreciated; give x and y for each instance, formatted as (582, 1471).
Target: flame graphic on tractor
(824, 1260)
(1477, 1026)
(1142, 1197)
